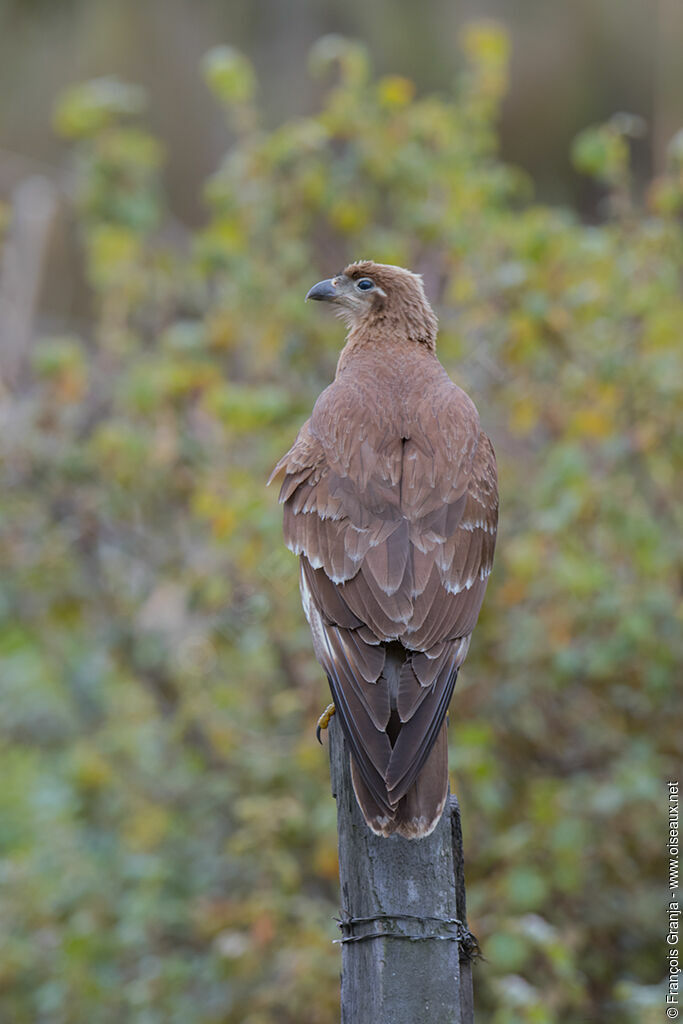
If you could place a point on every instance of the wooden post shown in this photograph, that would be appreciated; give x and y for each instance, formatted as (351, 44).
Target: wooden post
(410, 895)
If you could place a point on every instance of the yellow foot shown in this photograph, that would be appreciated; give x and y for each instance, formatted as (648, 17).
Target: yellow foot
(324, 720)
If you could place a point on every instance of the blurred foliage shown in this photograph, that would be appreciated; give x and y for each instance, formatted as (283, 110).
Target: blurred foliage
(168, 847)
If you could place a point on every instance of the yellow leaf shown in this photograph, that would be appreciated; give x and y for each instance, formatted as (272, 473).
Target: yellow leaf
(524, 416)
(395, 91)
(592, 422)
(146, 827)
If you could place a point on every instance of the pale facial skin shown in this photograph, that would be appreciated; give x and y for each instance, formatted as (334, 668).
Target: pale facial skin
(352, 297)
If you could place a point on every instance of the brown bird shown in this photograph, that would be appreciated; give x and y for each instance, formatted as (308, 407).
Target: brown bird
(391, 502)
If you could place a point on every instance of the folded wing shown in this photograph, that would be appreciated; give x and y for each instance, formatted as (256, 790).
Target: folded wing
(395, 526)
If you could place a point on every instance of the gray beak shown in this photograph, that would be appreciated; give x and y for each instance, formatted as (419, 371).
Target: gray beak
(323, 291)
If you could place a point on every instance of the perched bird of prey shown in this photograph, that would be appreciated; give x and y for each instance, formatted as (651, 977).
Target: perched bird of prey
(391, 502)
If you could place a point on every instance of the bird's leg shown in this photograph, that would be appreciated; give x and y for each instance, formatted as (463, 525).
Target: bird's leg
(324, 720)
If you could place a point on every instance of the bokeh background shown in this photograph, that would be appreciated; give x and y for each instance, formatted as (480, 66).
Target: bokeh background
(173, 177)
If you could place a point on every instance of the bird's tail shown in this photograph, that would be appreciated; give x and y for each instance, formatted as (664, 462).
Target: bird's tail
(417, 813)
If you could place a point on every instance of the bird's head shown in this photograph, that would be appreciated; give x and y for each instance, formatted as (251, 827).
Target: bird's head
(382, 297)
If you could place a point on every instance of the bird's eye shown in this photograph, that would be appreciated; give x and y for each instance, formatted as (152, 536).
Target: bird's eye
(365, 284)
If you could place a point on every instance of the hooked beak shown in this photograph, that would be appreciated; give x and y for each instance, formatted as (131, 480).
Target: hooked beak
(324, 291)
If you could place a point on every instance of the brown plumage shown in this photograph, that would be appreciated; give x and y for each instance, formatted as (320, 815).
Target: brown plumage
(390, 500)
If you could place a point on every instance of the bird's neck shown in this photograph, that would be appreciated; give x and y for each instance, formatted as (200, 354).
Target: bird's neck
(388, 339)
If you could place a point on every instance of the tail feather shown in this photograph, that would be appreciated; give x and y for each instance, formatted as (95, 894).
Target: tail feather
(417, 813)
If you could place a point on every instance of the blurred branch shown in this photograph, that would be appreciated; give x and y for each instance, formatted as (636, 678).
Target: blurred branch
(154, 679)
(34, 207)
(167, 697)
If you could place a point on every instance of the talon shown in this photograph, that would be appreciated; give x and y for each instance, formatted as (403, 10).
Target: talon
(324, 721)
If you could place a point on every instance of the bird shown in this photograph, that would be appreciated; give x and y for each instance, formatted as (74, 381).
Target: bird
(390, 500)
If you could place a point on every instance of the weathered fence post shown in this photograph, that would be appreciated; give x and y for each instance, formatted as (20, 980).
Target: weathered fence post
(409, 895)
